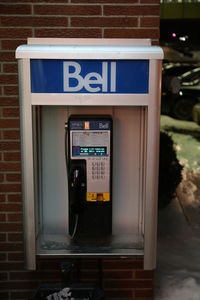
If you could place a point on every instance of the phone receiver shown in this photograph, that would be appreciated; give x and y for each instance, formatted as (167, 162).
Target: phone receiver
(77, 184)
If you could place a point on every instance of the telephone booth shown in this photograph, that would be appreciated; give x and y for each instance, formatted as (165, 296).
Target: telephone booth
(89, 112)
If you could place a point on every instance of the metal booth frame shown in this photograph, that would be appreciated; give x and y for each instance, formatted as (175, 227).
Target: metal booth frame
(101, 49)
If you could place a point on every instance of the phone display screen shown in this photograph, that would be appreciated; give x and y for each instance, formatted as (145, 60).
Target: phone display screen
(90, 143)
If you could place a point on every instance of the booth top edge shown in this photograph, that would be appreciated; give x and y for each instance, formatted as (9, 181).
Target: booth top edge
(89, 49)
(88, 41)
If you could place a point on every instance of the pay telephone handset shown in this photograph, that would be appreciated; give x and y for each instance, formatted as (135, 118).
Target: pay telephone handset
(89, 175)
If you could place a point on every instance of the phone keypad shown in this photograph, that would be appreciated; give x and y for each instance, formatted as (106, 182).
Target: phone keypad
(98, 168)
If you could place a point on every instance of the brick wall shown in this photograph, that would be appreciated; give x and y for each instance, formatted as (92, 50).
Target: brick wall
(123, 279)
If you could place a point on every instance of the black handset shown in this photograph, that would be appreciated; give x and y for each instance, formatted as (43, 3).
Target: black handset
(77, 181)
(89, 175)
(77, 191)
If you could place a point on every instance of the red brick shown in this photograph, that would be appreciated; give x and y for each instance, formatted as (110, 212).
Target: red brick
(116, 294)
(70, 32)
(105, 1)
(150, 1)
(50, 265)
(144, 293)
(1, 177)
(12, 44)
(14, 198)
(9, 123)
(89, 264)
(2, 198)
(15, 32)
(15, 218)
(10, 188)
(103, 22)
(6, 166)
(36, 275)
(11, 90)
(122, 284)
(3, 256)
(11, 247)
(68, 10)
(16, 256)
(3, 276)
(2, 217)
(18, 285)
(22, 295)
(135, 10)
(10, 68)
(131, 33)
(8, 146)
(10, 207)
(116, 275)
(53, 264)
(15, 237)
(11, 134)
(9, 101)
(35, 21)
(8, 79)
(15, 177)
(150, 22)
(38, 1)
(7, 56)
(11, 266)
(144, 274)
(12, 156)
(11, 112)
(2, 238)
(11, 227)
(10, 9)
(123, 264)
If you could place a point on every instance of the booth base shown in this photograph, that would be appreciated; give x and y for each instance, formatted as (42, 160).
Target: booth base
(115, 245)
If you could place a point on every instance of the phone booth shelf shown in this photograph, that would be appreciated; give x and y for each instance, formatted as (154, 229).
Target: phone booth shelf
(119, 78)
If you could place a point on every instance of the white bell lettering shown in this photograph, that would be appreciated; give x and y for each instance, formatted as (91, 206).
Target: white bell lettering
(75, 75)
(93, 82)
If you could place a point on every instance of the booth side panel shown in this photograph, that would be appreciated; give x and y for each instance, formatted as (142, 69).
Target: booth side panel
(151, 197)
(27, 163)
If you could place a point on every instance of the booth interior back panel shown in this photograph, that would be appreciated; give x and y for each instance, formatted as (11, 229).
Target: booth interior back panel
(126, 162)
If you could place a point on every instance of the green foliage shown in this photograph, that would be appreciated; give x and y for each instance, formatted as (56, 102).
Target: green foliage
(169, 170)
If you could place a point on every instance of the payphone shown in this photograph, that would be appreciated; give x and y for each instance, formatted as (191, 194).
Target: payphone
(89, 160)
(83, 82)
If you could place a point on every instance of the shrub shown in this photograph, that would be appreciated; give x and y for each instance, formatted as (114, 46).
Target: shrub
(170, 170)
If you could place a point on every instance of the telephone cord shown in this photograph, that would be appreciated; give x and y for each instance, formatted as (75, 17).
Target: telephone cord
(75, 226)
